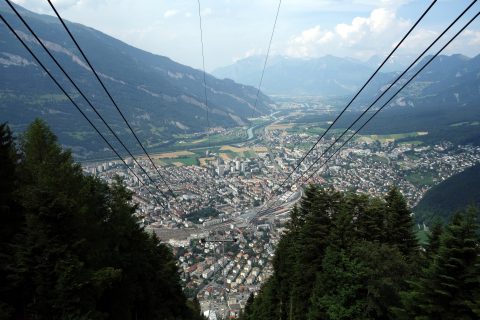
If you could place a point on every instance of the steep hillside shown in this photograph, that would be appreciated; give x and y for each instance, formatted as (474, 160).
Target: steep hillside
(452, 195)
(159, 96)
(448, 81)
(444, 100)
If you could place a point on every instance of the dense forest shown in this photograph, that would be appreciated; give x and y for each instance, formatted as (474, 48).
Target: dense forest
(449, 196)
(70, 245)
(351, 256)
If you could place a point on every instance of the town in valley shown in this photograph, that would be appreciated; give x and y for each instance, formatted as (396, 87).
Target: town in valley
(231, 201)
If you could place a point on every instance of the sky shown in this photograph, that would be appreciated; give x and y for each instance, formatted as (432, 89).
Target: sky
(236, 29)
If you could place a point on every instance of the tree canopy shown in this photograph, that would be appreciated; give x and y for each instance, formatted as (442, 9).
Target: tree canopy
(71, 246)
(352, 256)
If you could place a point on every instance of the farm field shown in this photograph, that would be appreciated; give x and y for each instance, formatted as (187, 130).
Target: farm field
(391, 137)
(188, 158)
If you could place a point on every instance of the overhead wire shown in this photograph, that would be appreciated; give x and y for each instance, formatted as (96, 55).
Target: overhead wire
(376, 100)
(78, 108)
(84, 96)
(266, 59)
(350, 102)
(358, 92)
(112, 100)
(204, 73)
(205, 90)
(398, 78)
(398, 91)
(263, 73)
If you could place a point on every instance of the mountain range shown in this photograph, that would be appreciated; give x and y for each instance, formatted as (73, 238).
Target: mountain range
(443, 100)
(162, 99)
(157, 95)
(325, 76)
(331, 76)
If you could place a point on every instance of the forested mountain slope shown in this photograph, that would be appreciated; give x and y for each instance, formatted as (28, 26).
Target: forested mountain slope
(451, 195)
(157, 95)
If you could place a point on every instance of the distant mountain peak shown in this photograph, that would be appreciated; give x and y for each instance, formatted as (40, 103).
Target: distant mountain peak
(328, 75)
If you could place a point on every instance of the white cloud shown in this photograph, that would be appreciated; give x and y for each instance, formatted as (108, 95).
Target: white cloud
(378, 21)
(305, 44)
(170, 13)
(249, 53)
(467, 43)
(473, 37)
(420, 38)
(362, 34)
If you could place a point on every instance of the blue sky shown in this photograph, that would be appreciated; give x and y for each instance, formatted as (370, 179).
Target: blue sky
(235, 29)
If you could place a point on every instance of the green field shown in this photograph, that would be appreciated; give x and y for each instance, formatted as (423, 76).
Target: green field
(313, 129)
(412, 142)
(188, 141)
(458, 124)
(301, 146)
(191, 157)
(390, 137)
(310, 130)
(186, 161)
(379, 159)
(423, 178)
(256, 122)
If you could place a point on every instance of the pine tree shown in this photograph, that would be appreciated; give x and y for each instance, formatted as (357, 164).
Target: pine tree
(434, 239)
(400, 223)
(337, 260)
(339, 289)
(296, 221)
(10, 212)
(8, 162)
(47, 256)
(11, 217)
(284, 262)
(312, 242)
(80, 253)
(264, 306)
(372, 224)
(450, 287)
(345, 223)
(248, 310)
(308, 201)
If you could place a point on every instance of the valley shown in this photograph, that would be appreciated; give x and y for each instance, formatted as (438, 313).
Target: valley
(228, 187)
(242, 182)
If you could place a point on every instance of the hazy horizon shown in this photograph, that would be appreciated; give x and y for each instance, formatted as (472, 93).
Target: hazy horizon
(233, 30)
